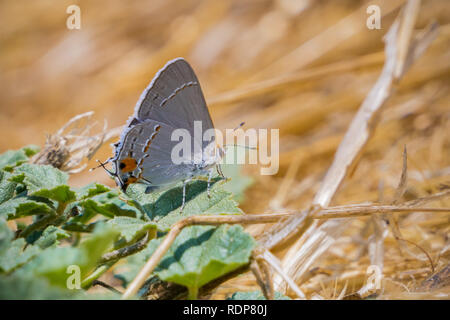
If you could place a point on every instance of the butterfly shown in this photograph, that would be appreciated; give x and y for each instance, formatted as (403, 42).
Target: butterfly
(173, 100)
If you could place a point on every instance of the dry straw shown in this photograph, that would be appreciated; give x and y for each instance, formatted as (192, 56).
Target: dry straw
(349, 194)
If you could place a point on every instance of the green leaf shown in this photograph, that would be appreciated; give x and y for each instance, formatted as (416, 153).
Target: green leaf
(132, 228)
(17, 255)
(164, 207)
(12, 158)
(201, 254)
(238, 182)
(20, 286)
(36, 176)
(98, 243)
(107, 204)
(28, 287)
(23, 206)
(30, 150)
(91, 190)
(50, 237)
(6, 236)
(62, 194)
(256, 295)
(44, 181)
(53, 262)
(7, 187)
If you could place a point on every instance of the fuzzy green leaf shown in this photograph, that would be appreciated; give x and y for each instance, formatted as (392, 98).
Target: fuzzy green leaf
(44, 181)
(256, 295)
(61, 194)
(164, 207)
(50, 236)
(16, 255)
(23, 206)
(201, 254)
(91, 190)
(107, 204)
(24, 286)
(7, 187)
(132, 228)
(53, 262)
(29, 287)
(6, 235)
(36, 177)
(13, 158)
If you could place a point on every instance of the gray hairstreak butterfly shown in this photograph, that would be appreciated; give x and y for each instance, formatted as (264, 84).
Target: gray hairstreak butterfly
(173, 100)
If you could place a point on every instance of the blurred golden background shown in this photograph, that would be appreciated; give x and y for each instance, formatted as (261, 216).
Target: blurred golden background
(301, 66)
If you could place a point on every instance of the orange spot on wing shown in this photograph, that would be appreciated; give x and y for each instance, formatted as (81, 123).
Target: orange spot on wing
(128, 164)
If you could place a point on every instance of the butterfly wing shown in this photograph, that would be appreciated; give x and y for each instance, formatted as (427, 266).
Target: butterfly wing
(173, 100)
(174, 97)
(149, 159)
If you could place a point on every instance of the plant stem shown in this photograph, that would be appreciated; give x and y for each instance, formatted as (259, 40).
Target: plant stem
(61, 207)
(192, 293)
(87, 282)
(127, 251)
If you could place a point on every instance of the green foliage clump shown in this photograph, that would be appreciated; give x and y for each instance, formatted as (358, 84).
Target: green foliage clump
(65, 238)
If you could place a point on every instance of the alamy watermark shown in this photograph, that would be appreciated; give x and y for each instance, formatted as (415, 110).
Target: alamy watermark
(236, 146)
(74, 20)
(374, 20)
(73, 281)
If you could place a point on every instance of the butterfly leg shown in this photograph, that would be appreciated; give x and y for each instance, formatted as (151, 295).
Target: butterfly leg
(219, 170)
(208, 189)
(185, 182)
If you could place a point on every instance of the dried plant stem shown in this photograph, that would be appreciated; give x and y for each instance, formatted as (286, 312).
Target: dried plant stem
(317, 239)
(335, 213)
(338, 212)
(282, 81)
(273, 262)
(257, 273)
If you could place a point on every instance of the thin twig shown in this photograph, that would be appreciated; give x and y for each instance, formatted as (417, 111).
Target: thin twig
(126, 251)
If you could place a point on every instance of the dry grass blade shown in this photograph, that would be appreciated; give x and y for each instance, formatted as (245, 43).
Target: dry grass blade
(302, 67)
(317, 239)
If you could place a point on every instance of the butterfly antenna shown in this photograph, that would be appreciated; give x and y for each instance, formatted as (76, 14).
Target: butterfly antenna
(237, 145)
(102, 164)
(239, 126)
(240, 146)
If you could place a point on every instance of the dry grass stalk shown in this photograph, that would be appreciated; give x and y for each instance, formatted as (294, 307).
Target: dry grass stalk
(72, 144)
(303, 67)
(317, 239)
